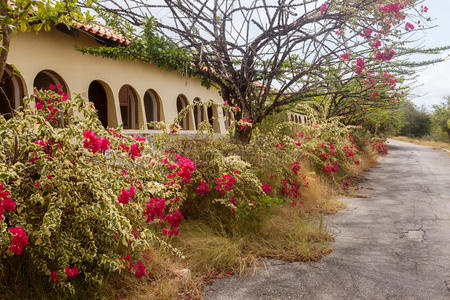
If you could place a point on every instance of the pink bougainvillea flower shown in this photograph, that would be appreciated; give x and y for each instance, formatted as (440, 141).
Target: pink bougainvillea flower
(19, 240)
(71, 272)
(54, 276)
(135, 233)
(52, 87)
(323, 8)
(386, 55)
(357, 162)
(126, 195)
(296, 167)
(225, 183)
(345, 56)
(360, 62)
(174, 219)
(409, 26)
(6, 202)
(266, 188)
(376, 44)
(203, 188)
(155, 208)
(139, 268)
(94, 143)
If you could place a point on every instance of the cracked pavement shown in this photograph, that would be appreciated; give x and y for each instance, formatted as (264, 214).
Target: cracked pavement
(393, 245)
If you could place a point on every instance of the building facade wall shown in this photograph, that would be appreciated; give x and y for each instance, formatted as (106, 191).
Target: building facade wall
(55, 51)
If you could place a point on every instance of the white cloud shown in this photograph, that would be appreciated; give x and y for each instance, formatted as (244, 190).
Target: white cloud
(434, 84)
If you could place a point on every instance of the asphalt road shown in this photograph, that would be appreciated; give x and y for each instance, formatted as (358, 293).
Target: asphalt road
(393, 245)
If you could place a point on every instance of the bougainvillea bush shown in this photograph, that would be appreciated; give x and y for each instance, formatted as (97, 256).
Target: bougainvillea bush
(79, 202)
(284, 153)
(224, 188)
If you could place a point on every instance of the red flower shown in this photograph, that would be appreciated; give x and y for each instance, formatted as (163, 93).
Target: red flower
(409, 26)
(183, 168)
(203, 188)
(174, 219)
(266, 188)
(225, 183)
(345, 56)
(296, 167)
(323, 8)
(6, 202)
(126, 195)
(155, 208)
(323, 156)
(19, 240)
(71, 272)
(94, 143)
(54, 276)
(139, 269)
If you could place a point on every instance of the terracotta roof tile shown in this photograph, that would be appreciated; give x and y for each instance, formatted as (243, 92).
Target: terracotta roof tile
(103, 32)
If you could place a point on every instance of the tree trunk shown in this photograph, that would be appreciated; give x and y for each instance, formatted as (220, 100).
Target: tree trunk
(6, 39)
(242, 136)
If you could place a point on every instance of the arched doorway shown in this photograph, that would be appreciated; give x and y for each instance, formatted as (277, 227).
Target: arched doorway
(97, 95)
(45, 78)
(182, 102)
(13, 88)
(199, 113)
(153, 107)
(128, 102)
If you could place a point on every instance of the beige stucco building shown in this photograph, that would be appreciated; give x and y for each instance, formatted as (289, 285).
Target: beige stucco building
(123, 91)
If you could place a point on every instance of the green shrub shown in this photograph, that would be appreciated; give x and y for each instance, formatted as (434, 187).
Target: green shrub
(81, 193)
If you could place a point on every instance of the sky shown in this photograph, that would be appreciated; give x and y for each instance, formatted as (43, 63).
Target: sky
(434, 81)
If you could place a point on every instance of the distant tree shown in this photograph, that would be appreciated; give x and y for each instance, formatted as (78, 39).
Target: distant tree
(441, 117)
(416, 121)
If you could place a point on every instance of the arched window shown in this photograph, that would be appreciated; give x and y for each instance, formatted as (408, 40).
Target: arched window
(199, 113)
(13, 87)
(292, 118)
(186, 121)
(45, 78)
(129, 107)
(97, 94)
(153, 107)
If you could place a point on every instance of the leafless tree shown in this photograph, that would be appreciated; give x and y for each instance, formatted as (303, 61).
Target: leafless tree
(263, 55)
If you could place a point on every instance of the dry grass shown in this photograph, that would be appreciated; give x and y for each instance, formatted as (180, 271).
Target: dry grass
(290, 233)
(436, 145)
